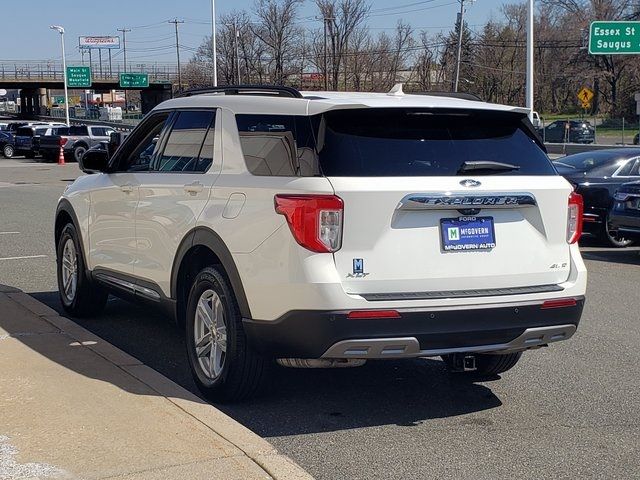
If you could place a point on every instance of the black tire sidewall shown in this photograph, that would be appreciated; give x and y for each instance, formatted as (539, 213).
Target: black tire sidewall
(211, 279)
(69, 232)
(76, 156)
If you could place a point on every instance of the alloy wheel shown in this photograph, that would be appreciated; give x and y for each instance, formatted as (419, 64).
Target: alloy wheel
(69, 270)
(210, 334)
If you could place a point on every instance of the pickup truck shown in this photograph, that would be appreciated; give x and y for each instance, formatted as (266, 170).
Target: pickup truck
(27, 138)
(75, 140)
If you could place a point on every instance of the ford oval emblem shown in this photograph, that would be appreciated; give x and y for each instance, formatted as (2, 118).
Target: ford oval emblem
(470, 183)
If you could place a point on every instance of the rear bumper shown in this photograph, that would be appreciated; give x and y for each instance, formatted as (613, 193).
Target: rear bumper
(627, 223)
(418, 332)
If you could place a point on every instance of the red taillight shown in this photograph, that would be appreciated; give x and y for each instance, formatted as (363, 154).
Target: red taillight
(315, 220)
(559, 303)
(369, 314)
(574, 217)
(62, 141)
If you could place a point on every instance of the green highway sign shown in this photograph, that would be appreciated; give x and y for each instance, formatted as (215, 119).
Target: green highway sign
(78, 77)
(614, 38)
(58, 99)
(134, 80)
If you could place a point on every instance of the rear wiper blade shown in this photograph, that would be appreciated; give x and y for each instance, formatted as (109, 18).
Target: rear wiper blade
(487, 165)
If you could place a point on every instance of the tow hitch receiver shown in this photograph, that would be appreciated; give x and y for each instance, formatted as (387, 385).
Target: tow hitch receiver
(464, 362)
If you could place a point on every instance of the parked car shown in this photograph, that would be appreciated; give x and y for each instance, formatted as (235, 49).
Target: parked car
(7, 145)
(75, 141)
(328, 230)
(625, 217)
(569, 131)
(597, 175)
(27, 140)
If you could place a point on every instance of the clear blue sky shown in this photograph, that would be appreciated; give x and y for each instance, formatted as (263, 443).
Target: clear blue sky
(25, 33)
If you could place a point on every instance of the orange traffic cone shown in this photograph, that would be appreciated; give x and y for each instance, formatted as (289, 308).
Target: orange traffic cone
(61, 156)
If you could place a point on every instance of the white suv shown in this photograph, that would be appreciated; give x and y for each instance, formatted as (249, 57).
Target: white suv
(325, 229)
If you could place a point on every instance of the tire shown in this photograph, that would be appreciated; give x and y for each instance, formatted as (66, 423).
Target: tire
(226, 368)
(8, 151)
(612, 239)
(78, 152)
(84, 299)
(489, 364)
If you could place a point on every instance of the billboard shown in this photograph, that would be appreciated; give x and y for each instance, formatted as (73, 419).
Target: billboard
(100, 42)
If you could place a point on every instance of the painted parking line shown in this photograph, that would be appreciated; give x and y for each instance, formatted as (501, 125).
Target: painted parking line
(23, 257)
(9, 233)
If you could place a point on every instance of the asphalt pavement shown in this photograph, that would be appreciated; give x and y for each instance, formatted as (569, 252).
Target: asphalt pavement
(568, 411)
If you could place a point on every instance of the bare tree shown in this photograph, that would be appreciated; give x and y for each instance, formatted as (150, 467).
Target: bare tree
(276, 28)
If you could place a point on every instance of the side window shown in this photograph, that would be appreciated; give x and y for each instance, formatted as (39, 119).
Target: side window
(635, 169)
(626, 170)
(98, 131)
(188, 138)
(141, 145)
(278, 145)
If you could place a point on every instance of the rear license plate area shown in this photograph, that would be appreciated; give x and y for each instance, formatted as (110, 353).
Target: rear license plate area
(463, 234)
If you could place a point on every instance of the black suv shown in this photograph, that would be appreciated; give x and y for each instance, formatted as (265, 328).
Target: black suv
(568, 131)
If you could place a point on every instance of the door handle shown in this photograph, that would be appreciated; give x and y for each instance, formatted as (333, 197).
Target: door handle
(127, 188)
(193, 188)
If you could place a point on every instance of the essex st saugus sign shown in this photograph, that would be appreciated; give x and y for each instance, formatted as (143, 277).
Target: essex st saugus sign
(611, 38)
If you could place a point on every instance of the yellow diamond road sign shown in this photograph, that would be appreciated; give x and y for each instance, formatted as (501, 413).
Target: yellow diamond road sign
(585, 95)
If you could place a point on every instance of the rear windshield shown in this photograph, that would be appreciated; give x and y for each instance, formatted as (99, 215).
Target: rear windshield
(410, 142)
(588, 161)
(390, 143)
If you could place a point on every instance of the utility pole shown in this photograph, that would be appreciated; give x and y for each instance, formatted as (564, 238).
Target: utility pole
(213, 43)
(124, 51)
(529, 86)
(175, 21)
(460, 27)
(236, 35)
(326, 70)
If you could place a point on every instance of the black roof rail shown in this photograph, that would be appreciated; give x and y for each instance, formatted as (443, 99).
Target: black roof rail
(460, 95)
(262, 90)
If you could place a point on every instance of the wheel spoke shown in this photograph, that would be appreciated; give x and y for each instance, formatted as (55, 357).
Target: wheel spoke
(213, 354)
(221, 338)
(203, 348)
(205, 313)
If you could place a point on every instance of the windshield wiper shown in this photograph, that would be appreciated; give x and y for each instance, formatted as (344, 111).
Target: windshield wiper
(487, 165)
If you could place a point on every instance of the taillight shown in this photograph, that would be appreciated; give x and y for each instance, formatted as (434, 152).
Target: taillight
(559, 303)
(62, 141)
(315, 220)
(574, 217)
(372, 314)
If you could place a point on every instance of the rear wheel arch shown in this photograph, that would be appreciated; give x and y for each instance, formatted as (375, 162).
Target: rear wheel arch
(200, 248)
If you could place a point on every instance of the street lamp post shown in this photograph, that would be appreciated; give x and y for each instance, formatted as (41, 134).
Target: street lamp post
(60, 30)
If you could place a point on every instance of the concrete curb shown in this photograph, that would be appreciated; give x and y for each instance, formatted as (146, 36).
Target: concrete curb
(278, 466)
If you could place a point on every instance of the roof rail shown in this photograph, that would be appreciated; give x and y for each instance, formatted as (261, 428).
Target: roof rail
(263, 90)
(460, 95)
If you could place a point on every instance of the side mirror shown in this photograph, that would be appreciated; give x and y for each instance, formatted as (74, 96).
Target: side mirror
(95, 160)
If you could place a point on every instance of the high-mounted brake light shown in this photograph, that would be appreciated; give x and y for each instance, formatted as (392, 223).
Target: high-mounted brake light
(314, 220)
(574, 217)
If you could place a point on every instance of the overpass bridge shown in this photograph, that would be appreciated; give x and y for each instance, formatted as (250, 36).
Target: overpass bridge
(35, 78)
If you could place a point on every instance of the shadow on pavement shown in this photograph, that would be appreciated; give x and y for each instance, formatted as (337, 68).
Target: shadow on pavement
(626, 256)
(300, 401)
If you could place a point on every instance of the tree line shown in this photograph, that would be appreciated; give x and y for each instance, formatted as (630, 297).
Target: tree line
(336, 49)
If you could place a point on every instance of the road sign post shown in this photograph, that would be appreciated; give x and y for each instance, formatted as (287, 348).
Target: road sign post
(134, 80)
(614, 38)
(78, 77)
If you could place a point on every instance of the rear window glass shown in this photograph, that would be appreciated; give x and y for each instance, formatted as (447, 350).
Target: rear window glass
(78, 130)
(587, 161)
(412, 142)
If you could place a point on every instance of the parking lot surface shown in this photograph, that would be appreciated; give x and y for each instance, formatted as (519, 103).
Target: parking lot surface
(569, 411)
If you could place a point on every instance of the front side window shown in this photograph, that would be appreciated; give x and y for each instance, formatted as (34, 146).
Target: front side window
(189, 146)
(141, 145)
